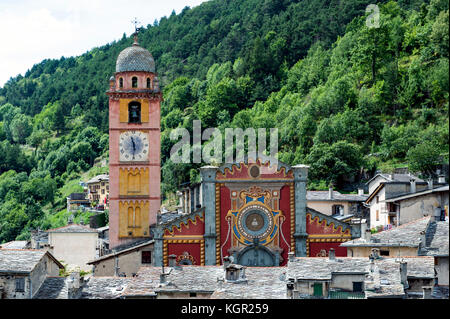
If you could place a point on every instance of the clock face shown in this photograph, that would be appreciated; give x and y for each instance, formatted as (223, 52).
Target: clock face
(255, 221)
(133, 146)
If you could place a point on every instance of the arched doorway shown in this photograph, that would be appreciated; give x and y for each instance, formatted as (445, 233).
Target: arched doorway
(257, 256)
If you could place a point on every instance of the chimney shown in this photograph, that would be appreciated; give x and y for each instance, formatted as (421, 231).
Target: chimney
(360, 191)
(291, 256)
(172, 260)
(437, 215)
(330, 192)
(404, 274)
(116, 266)
(441, 179)
(332, 254)
(427, 291)
(73, 285)
(412, 182)
(430, 183)
(226, 262)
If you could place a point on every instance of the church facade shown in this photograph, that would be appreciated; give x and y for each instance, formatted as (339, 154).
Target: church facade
(254, 212)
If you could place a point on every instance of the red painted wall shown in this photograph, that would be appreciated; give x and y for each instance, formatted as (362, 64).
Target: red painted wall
(178, 249)
(285, 207)
(315, 248)
(225, 206)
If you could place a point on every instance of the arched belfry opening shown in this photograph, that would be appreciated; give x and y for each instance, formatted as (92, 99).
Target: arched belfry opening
(134, 112)
(148, 83)
(134, 82)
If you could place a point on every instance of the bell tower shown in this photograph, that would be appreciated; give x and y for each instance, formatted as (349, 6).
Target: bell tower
(134, 145)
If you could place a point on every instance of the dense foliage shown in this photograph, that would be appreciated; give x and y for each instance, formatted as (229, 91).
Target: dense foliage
(347, 99)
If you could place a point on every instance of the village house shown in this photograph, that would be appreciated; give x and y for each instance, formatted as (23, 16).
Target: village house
(22, 272)
(74, 245)
(125, 260)
(427, 236)
(77, 201)
(340, 206)
(412, 206)
(98, 190)
(359, 278)
(383, 187)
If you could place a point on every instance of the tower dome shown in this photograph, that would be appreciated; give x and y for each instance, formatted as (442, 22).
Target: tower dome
(135, 58)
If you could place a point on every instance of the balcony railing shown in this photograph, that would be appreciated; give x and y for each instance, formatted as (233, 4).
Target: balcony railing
(346, 295)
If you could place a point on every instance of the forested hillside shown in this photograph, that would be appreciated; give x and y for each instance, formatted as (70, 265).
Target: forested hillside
(346, 98)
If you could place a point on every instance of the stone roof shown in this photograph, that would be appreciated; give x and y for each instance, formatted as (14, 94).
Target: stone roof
(104, 287)
(397, 178)
(436, 239)
(98, 178)
(406, 235)
(135, 58)
(22, 260)
(53, 288)
(324, 196)
(262, 282)
(321, 268)
(399, 197)
(123, 249)
(15, 244)
(73, 228)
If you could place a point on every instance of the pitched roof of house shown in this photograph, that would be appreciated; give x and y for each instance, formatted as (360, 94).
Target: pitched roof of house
(104, 287)
(98, 178)
(72, 228)
(397, 178)
(337, 196)
(406, 235)
(22, 260)
(53, 288)
(404, 196)
(123, 250)
(436, 239)
(15, 244)
(262, 282)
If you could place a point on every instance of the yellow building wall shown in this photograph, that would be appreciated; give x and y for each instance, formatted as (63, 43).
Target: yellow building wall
(393, 251)
(134, 181)
(134, 218)
(123, 109)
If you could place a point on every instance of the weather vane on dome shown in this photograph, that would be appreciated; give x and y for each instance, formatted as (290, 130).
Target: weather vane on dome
(136, 29)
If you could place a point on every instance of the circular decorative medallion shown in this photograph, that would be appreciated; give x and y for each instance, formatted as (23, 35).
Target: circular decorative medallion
(255, 221)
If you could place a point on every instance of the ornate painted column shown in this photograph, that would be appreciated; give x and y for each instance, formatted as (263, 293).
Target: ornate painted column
(300, 235)
(208, 175)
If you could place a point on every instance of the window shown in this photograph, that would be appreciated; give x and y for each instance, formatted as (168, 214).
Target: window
(377, 215)
(384, 252)
(338, 210)
(378, 199)
(146, 257)
(192, 294)
(121, 82)
(357, 286)
(148, 83)
(134, 112)
(103, 191)
(134, 82)
(20, 284)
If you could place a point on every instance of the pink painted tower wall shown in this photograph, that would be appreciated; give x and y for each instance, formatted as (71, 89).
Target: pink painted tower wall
(134, 62)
